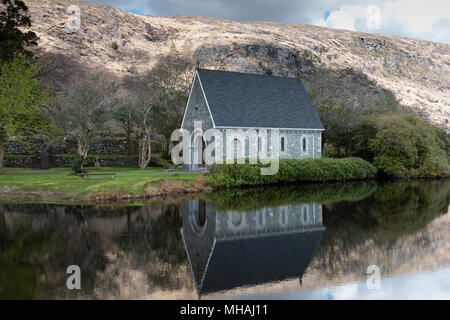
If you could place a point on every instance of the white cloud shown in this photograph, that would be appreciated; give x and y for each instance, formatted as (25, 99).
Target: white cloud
(429, 20)
(422, 19)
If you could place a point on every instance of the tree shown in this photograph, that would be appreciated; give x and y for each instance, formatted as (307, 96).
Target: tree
(156, 103)
(402, 145)
(134, 112)
(13, 18)
(21, 100)
(168, 114)
(124, 116)
(84, 108)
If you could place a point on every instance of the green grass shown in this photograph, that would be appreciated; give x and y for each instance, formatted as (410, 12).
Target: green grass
(89, 169)
(100, 155)
(128, 180)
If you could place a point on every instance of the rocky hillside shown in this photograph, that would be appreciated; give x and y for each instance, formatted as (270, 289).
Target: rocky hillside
(339, 66)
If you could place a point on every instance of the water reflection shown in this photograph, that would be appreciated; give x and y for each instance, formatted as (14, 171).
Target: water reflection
(230, 249)
(259, 241)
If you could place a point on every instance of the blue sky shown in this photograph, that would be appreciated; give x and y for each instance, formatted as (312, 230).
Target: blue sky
(428, 285)
(428, 20)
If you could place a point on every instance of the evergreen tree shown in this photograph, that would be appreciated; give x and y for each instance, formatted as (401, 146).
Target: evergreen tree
(13, 40)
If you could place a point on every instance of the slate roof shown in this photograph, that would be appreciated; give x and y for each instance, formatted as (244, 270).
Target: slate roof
(260, 101)
(256, 260)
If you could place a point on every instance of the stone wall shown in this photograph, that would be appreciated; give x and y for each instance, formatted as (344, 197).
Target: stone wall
(23, 162)
(293, 140)
(61, 162)
(196, 111)
(114, 145)
(38, 154)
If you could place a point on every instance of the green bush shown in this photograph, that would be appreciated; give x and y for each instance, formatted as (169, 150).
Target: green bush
(158, 161)
(114, 45)
(291, 171)
(77, 165)
(402, 145)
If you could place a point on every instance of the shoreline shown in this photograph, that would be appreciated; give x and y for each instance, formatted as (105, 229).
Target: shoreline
(164, 190)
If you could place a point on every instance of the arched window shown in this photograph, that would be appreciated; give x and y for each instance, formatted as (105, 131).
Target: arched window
(304, 144)
(282, 144)
(305, 215)
(236, 218)
(197, 216)
(237, 148)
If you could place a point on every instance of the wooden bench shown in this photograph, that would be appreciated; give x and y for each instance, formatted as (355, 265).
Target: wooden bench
(83, 175)
(172, 170)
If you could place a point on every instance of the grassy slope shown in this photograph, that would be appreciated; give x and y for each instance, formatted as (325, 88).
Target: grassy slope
(128, 181)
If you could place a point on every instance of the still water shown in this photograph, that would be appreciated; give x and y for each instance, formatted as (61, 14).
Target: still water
(295, 242)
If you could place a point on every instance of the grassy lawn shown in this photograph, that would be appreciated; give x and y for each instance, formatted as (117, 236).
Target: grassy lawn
(54, 171)
(128, 180)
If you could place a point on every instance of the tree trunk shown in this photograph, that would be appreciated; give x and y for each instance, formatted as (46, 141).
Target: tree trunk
(83, 148)
(167, 146)
(1, 158)
(129, 151)
(145, 152)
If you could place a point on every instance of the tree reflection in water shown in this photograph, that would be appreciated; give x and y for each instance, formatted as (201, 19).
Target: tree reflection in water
(139, 252)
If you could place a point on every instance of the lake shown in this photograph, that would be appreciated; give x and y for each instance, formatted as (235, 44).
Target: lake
(356, 240)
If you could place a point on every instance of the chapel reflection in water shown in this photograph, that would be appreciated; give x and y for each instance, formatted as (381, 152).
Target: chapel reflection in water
(231, 249)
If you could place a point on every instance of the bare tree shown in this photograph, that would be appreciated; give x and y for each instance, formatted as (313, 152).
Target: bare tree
(151, 94)
(125, 117)
(135, 112)
(84, 108)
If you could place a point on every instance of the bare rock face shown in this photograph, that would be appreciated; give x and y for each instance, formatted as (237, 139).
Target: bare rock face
(335, 65)
(373, 45)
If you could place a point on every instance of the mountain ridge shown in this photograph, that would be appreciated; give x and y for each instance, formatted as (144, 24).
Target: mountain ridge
(338, 66)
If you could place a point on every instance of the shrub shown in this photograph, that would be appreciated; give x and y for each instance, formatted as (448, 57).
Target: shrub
(290, 171)
(114, 45)
(402, 145)
(266, 70)
(158, 161)
(77, 165)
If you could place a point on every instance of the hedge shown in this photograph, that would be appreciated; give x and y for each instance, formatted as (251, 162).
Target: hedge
(291, 171)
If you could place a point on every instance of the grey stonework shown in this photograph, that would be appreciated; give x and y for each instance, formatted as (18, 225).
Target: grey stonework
(285, 218)
(36, 146)
(293, 143)
(66, 162)
(36, 154)
(23, 162)
(197, 109)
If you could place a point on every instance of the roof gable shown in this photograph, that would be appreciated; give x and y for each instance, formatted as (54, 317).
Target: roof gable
(249, 100)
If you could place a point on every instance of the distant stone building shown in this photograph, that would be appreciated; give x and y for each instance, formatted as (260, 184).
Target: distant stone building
(233, 103)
